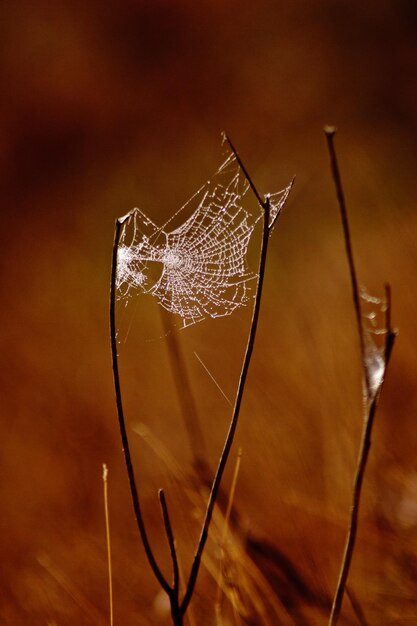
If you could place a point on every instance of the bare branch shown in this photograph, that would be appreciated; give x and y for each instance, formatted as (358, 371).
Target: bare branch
(245, 171)
(372, 397)
(171, 543)
(330, 132)
(241, 386)
(122, 425)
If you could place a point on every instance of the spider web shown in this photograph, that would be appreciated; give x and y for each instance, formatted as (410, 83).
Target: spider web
(375, 330)
(204, 271)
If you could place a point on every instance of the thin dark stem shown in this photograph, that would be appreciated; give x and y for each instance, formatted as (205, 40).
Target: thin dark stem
(239, 395)
(120, 413)
(330, 132)
(357, 489)
(353, 525)
(372, 398)
(245, 171)
(171, 543)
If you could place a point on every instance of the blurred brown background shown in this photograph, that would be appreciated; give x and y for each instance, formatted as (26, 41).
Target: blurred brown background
(110, 105)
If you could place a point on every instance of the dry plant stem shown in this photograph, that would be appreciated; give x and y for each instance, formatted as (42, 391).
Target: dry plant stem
(122, 425)
(190, 614)
(106, 514)
(330, 132)
(171, 543)
(371, 398)
(357, 489)
(353, 524)
(245, 171)
(239, 395)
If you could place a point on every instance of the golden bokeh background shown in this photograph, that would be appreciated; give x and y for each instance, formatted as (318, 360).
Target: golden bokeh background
(111, 105)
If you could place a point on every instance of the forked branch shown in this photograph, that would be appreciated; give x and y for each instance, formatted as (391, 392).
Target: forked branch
(179, 608)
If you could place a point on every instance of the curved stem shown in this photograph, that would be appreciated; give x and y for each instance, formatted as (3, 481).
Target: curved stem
(330, 132)
(120, 413)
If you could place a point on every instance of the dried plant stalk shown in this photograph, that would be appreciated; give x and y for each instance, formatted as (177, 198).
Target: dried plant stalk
(179, 608)
(265, 205)
(371, 396)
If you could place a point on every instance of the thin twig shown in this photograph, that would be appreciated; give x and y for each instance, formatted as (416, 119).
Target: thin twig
(234, 420)
(122, 425)
(171, 543)
(106, 514)
(330, 132)
(372, 398)
(246, 174)
(191, 620)
(357, 491)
